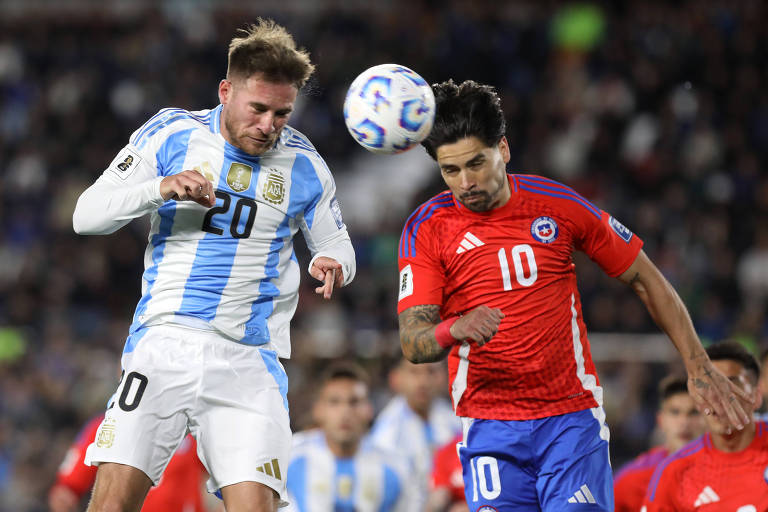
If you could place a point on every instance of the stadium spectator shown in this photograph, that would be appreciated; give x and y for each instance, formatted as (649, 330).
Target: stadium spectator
(679, 422)
(220, 284)
(416, 421)
(718, 471)
(333, 467)
(180, 489)
(487, 279)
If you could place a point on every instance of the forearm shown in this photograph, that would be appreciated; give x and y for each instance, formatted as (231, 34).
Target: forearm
(340, 249)
(105, 207)
(417, 334)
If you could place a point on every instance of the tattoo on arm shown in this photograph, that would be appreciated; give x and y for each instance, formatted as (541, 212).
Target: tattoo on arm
(634, 279)
(417, 334)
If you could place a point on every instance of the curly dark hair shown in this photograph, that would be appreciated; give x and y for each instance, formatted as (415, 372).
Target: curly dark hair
(465, 110)
(734, 351)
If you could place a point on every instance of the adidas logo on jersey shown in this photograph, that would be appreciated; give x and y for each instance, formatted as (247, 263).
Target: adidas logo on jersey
(583, 495)
(271, 468)
(707, 496)
(468, 243)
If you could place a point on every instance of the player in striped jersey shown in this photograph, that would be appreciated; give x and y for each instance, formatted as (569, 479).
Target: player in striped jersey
(416, 421)
(487, 279)
(227, 189)
(718, 472)
(334, 467)
(680, 423)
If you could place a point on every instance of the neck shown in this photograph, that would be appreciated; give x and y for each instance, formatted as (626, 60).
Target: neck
(735, 442)
(344, 450)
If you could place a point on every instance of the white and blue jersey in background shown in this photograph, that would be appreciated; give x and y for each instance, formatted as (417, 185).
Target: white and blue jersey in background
(399, 429)
(371, 481)
(232, 267)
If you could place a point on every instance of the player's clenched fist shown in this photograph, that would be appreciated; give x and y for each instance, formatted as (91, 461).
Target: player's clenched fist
(188, 186)
(479, 325)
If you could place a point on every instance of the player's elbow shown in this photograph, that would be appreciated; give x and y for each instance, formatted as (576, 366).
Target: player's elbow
(86, 222)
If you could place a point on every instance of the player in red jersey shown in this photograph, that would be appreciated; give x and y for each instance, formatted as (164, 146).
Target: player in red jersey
(487, 279)
(718, 472)
(447, 494)
(180, 489)
(680, 423)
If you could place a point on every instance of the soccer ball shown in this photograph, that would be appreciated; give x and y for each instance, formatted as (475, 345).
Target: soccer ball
(389, 109)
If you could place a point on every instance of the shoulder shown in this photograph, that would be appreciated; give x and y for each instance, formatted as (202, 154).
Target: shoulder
(553, 193)
(306, 159)
(646, 461)
(429, 212)
(665, 471)
(168, 121)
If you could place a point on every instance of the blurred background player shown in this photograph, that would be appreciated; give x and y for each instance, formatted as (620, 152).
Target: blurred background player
(416, 421)
(718, 472)
(678, 422)
(447, 490)
(180, 489)
(487, 278)
(333, 467)
(227, 190)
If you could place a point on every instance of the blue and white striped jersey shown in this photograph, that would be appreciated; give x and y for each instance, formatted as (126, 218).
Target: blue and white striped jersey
(232, 267)
(400, 429)
(371, 481)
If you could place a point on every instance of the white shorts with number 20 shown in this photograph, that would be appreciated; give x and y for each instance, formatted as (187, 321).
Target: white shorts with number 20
(230, 396)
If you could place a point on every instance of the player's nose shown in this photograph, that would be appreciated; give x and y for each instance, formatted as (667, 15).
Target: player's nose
(266, 123)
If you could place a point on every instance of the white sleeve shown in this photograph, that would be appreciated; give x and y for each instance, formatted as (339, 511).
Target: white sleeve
(127, 189)
(328, 235)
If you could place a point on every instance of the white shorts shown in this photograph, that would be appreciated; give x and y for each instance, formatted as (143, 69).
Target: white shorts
(230, 396)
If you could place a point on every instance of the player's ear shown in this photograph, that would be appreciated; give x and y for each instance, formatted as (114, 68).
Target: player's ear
(225, 91)
(504, 149)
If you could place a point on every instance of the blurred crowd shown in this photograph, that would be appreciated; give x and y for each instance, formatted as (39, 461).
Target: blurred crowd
(655, 111)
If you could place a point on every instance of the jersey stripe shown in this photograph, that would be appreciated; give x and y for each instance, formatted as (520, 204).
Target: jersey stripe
(166, 212)
(554, 189)
(391, 490)
(297, 476)
(684, 452)
(165, 121)
(276, 370)
(160, 118)
(345, 468)
(408, 238)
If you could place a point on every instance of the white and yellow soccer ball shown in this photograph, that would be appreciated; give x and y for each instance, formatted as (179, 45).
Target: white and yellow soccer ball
(389, 109)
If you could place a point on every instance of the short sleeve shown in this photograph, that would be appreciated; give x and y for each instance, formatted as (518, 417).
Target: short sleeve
(609, 243)
(422, 279)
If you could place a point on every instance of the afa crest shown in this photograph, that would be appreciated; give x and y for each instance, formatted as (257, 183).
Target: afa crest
(274, 187)
(106, 437)
(239, 176)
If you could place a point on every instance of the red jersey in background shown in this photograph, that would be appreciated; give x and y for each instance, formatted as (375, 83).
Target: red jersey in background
(631, 481)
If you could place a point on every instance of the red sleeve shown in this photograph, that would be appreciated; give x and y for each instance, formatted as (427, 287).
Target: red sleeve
(441, 472)
(421, 276)
(73, 473)
(629, 491)
(609, 243)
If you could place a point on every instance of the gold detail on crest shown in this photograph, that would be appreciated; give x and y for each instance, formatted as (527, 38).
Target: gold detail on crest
(344, 487)
(106, 436)
(206, 170)
(274, 188)
(239, 176)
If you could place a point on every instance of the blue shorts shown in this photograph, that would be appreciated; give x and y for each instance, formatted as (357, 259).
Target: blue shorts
(559, 463)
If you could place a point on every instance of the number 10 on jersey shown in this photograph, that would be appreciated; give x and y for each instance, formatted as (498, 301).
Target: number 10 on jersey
(525, 278)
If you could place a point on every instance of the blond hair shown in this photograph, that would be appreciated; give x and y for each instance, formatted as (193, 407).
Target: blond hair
(269, 49)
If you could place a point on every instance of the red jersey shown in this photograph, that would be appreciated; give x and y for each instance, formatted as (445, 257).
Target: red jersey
(702, 478)
(631, 481)
(178, 490)
(518, 258)
(446, 471)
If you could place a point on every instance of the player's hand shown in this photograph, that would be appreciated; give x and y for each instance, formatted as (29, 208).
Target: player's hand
(329, 272)
(716, 395)
(479, 325)
(188, 186)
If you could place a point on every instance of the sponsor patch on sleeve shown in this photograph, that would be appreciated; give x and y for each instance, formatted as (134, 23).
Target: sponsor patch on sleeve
(336, 211)
(406, 283)
(124, 163)
(620, 229)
